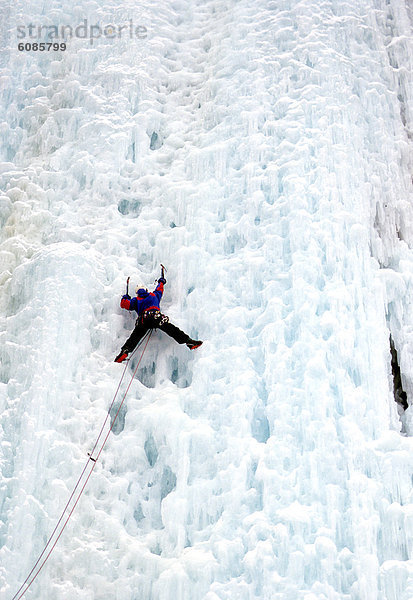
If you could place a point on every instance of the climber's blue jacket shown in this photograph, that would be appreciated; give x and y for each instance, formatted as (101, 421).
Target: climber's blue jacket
(144, 300)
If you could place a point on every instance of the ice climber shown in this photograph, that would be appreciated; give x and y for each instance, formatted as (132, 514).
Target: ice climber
(146, 305)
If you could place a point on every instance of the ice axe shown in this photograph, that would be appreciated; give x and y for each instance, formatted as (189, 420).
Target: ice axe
(163, 269)
(127, 286)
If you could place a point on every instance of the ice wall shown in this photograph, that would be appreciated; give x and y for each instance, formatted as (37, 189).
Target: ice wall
(262, 151)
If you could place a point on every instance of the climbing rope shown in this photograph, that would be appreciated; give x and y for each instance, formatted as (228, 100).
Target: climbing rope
(89, 466)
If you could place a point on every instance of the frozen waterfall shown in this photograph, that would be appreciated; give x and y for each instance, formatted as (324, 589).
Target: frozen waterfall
(261, 150)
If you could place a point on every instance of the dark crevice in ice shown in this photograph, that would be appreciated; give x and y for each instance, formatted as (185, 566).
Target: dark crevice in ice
(117, 418)
(168, 482)
(151, 450)
(156, 141)
(400, 395)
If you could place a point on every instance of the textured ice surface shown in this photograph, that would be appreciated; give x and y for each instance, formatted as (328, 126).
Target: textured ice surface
(262, 151)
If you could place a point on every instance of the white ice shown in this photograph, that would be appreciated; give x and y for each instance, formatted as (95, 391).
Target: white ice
(263, 152)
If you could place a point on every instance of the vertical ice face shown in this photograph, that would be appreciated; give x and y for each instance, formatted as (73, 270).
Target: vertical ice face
(262, 151)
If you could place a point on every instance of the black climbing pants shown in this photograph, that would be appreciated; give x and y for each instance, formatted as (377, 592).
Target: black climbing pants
(153, 319)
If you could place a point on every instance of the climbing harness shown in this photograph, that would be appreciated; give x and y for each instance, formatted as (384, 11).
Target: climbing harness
(152, 318)
(93, 457)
